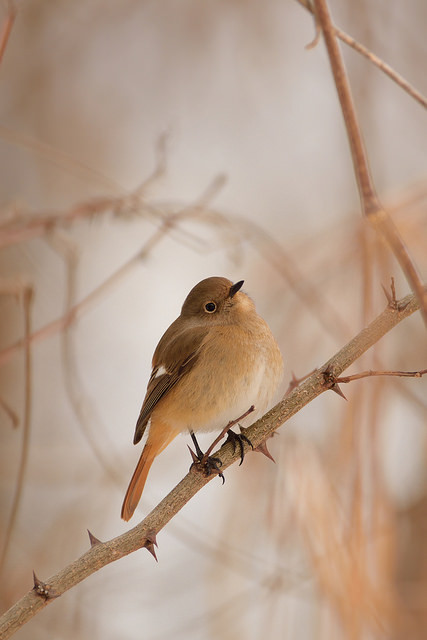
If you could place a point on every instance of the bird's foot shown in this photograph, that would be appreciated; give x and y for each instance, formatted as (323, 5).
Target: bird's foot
(206, 464)
(238, 439)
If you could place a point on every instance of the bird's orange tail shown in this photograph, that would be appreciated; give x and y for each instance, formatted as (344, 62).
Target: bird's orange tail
(158, 439)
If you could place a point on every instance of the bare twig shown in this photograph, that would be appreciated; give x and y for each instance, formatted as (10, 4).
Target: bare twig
(368, 374)
(27, 295)
(160, 167)
(7, 28)
(75, 389)
(9, 412)
(26, 228)
(364, 51)
(383, 66)
(99, 555)
(371, 206)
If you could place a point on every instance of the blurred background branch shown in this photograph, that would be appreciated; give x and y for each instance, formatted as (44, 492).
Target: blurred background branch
(371, 206)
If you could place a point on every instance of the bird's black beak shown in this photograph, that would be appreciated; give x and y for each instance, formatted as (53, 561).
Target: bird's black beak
(235, 287)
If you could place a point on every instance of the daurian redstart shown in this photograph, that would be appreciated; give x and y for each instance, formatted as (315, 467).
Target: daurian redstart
(217, 359)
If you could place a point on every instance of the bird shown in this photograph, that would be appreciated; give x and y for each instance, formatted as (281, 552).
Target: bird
(213, 363)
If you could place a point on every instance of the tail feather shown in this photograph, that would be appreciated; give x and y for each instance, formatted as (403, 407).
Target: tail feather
(157, 440)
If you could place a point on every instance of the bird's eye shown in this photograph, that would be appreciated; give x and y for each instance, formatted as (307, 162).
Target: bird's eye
(210, 307)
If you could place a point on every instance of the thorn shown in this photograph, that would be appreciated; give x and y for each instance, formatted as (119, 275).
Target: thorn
(262, 448)
(330, 382)
(37, 582)
(42, 589)
(387, 295)
(150, 543)
(335, 387)
(293, 383)
(93, 540)
(193, 455)
(391, 297)
(393, 291)
(151, 549)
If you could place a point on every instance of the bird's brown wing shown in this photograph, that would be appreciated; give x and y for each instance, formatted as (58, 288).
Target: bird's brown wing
(173, 358)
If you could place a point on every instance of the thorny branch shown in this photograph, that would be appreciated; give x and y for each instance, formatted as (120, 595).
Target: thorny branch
(144, 534)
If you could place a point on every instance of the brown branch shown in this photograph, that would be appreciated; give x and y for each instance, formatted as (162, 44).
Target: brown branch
(25, 228)
(383, 66)
(7, 28)
(103, 553)
(371, 206)
(27, 295)
(79, 400)
(368, 374)
(364, 51)
(9, 412)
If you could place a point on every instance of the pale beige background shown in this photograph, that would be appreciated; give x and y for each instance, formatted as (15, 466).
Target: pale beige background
(240, 95)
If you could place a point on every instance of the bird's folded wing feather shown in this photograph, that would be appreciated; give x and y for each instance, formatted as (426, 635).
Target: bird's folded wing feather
(169, 366)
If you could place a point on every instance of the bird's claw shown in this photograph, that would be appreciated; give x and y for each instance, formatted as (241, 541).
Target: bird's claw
(206, 464)
(239, 438)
